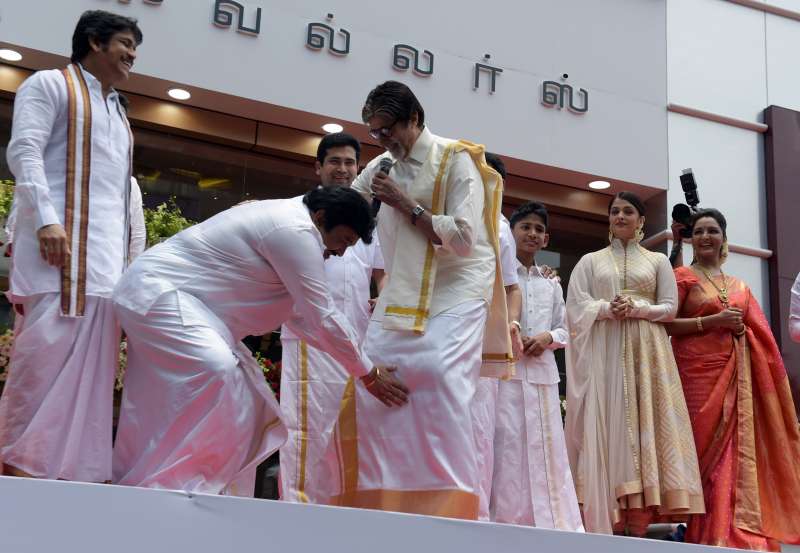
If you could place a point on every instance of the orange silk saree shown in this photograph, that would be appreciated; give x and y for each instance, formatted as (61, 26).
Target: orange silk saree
(743, 419)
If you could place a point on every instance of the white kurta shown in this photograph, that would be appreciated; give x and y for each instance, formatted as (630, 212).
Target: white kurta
(312, 382)
(36, 155)
(532, 482)
(55, 414)
(484, 404)
(194, 416)
(421, 457)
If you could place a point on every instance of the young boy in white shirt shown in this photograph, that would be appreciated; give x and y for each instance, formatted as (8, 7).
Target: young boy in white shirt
(532, 484)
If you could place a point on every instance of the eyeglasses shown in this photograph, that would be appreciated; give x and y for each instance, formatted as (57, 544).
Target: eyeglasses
(383, 131)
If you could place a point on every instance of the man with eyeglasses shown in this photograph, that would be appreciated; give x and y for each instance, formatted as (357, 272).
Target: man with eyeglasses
(437, 226)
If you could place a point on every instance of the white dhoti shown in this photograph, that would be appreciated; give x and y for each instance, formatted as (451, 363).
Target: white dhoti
(312, 384)
(418, 458)
(56, 409)
(196, 413)
(483, 421)
(532, 482)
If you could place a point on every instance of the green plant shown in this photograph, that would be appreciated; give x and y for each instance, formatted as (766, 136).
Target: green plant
(6, 196)
(272, 373)
(164, 221)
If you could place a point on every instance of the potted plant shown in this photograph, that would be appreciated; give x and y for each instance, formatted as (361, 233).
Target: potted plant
(164, 221)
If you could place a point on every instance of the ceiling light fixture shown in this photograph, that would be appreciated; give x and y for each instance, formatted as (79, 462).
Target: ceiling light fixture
(332, 127)
(10, 55)
(179, 94)
(599, 185)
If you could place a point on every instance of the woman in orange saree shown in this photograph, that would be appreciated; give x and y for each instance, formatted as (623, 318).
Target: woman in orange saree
(737, 391)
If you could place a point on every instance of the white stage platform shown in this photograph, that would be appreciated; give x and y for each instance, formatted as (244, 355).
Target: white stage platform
(44, 515)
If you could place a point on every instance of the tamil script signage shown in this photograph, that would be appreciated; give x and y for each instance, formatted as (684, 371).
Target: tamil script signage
(339, 42)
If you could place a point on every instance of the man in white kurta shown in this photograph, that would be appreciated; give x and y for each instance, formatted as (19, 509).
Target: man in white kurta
(532, 483)
(312, 382)
(70, 152)
(196, 412)
(421, 457)
(484, 404)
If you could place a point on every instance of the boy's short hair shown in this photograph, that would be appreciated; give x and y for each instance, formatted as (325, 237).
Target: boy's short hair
(530, 208)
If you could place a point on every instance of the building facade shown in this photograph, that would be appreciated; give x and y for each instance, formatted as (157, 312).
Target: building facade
(630, 92)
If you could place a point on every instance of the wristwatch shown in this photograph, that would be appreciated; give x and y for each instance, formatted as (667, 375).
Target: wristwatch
(416, 212)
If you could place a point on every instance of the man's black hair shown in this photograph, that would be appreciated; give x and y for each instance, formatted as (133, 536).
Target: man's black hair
(530, 208)
(395, 100)
(496, 163)
(337, 140)
(342, 206)
(101, 26)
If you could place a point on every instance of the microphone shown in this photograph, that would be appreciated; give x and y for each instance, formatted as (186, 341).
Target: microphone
(384, 167)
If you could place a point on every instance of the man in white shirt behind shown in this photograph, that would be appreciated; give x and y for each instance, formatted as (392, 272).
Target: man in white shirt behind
(484, 404)
(196, 411)
(70, 152)
(532, 482)
(312, 382)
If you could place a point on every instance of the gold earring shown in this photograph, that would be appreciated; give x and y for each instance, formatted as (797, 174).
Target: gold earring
(639, 234)
(610, 235)
(723, 252)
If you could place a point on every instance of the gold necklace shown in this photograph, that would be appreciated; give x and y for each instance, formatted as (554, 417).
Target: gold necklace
(722, 292)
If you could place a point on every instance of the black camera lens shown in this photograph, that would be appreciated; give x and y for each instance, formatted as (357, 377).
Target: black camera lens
(682, 214)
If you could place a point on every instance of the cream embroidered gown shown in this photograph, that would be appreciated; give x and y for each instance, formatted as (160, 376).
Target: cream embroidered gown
(628, 433)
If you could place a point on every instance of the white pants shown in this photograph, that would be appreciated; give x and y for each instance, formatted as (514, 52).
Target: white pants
(532, 483)
(483, 423)
(418, 458)
(56, 410)
(312, 384)
(196, 413)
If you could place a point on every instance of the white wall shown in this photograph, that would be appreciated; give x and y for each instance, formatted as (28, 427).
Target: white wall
(616, 49)
(735, 61)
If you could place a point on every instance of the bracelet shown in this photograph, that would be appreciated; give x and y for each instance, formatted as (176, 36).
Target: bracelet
(699, 321)
(516, 324)
(373, 380)
(744, 329)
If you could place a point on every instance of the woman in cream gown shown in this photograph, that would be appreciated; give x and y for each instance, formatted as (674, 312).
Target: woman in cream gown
(628, 433)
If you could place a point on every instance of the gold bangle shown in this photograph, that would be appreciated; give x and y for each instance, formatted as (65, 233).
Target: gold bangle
(370, 381)
(699, 322)
(744, 329)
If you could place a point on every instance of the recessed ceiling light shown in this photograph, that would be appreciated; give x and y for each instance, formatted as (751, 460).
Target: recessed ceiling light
(332, 127)
(10, 55)
(179, 94)
(599, 185)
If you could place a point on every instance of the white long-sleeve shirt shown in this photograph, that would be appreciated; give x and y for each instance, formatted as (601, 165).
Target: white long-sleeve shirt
(543, 310)
(794, 311)
(37, 156)
(254, 266)
(138, 232)
(348, 279)
(508, 253)
(465, 258)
